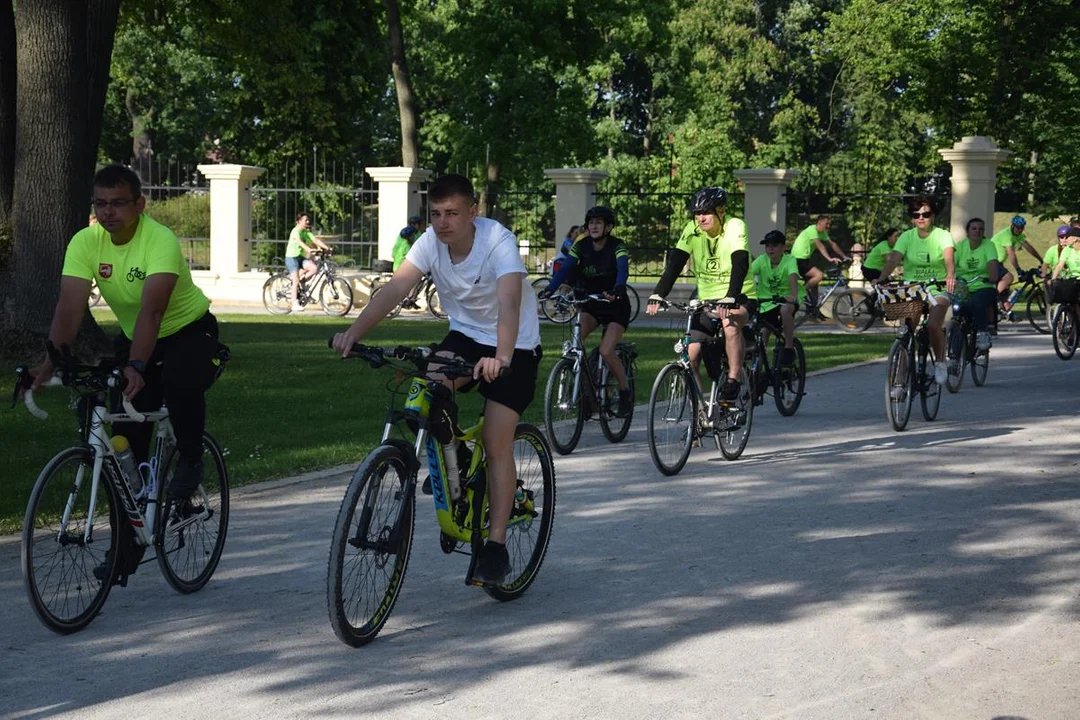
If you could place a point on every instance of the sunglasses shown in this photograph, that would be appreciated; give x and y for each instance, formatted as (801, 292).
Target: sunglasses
(922, 214)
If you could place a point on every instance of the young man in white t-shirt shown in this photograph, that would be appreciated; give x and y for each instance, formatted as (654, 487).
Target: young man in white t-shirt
(481, 282)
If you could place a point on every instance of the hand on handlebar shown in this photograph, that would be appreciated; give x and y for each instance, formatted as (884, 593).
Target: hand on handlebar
(654, 304)
(133, 382)
(489, 368)
(343, 342)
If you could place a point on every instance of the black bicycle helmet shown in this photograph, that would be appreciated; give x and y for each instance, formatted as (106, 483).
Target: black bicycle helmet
(707, 199)
(604, 213)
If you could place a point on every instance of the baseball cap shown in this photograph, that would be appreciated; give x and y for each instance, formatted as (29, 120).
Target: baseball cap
(774, 237)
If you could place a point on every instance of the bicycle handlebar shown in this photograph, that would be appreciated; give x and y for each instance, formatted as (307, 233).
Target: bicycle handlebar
(695, 304)
(114, 379)
(420, 357)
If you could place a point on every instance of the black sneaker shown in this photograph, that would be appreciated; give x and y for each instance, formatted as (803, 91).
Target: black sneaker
(729, 390)
(101, 571)
(186, 480)
(626, 403)
(787, 356)
(493, 564)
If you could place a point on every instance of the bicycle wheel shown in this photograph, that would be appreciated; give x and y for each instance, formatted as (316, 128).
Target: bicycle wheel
(614, 427)
(336, 297)
(980, 364)
(370, 548)
(899, 382)
(929, 391)
(802, 314)
(789, 382)
(557, 312)
(635, 302)
(537, 285)
(529, 528)
(58, 561)
(276, 294)
(95, 295)
(956, 342)
(731, 427)
(671, 420)
(1036, 310)
(853, 310)
(564, 414)
(434, 305)
(394, 311)
(1064, 331)
(189, 546)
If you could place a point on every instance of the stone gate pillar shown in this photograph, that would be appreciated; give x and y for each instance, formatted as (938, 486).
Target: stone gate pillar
(399, 198)
(575, 192)
(766, 204)
(974, 161)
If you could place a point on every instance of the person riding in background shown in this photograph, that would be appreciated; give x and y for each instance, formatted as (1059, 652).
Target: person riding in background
(600, 263)
(1055, 292)
(721, 255)
(1007, 241)
(301, 245)
(812, 238)
(405, 239)
(976, 262)
(777, 274)
(875, 259)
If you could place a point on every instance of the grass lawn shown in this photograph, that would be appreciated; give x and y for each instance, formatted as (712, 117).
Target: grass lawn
(287, 405)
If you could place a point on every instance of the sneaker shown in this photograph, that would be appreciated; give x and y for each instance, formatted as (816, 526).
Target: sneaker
(787, 356)
(897, 392)
(101, 571)
(186, 480)
(493, 564)
(626, 403)
(982, 341)
(296, 307)
(819, 316)
(729, 390)
(941, 372)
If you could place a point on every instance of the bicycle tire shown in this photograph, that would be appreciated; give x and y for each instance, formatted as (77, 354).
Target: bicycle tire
(899, 385)
(394, 311)
(980, 365)
(529, 530)
(537, 285)
(1036, 310)
(635, 302)
(336, 297)
(276, 294)
(801, 315)
(95, 295)
(929, 391)
(956, 342)
(380, 485)
(434, 305)
(615, 428)
(731, 440)
(672, 418)
(1064, 332)
(564, 417)
(853, 310)
(789, 383)
(189, 550)
(61, 586)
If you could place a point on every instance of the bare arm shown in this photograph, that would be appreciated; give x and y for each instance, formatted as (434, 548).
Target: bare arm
(152, 305)
(838, 250)
(949, 256)
(793, 286)
(891, 261)
(508, 291)
(404, 280)
(67, 318)
(821, 249)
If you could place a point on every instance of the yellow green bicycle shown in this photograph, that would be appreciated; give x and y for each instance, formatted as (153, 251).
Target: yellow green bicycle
(374, 530)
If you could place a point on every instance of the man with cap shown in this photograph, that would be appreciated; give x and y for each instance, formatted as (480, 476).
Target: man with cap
(776, 273)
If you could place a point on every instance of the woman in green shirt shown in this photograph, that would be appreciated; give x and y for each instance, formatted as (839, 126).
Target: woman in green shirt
(977, 264)
(875, 259)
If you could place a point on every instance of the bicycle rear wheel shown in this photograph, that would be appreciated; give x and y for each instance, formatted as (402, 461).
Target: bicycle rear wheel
(276, 293)
(956, 341)
(336, 297)
(190, 539)
(1036, 310)
(614, 427)
(980, 365)
(635, 302)
(929, 391)
(58, 561)
(529, 529)
(434, 305)
(731, 426)
(564, 414)
(394, 311)
(672, 417)
(853, 310)
(899, 385)
(1065, 332)
(371, 544)
(789, 382)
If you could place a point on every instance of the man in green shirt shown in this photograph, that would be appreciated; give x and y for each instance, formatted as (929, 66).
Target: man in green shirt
(721, 256)
(814, 237)
(301, 245)
(776, 274)
(1007, 241)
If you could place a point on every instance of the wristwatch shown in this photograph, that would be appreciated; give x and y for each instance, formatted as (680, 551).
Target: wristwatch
(139, 365)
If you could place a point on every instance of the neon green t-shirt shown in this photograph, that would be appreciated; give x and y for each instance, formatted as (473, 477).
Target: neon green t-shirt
(712, 257)
(875, 259)
(803, 247)
(1072, 263)
(121, 272)
(294, 249)
(1002, 239)
(769, 280)
(401, 249)
(924, 258)
(1051, 257)
(973, 266)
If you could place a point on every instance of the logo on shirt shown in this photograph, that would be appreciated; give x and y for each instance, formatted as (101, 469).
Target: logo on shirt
(712, 265)
(105, 270)
(135, 274)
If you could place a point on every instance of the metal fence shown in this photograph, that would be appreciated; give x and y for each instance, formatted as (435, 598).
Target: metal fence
(178, 196)
(530, 215)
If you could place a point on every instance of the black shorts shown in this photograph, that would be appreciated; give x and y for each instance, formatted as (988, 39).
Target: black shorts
(617, 312)
(870, 273)
(516, 388)
(772, 318)
(805, 266)
(710, 326)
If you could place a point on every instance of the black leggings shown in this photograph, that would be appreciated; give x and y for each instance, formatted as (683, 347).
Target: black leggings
(179, 372)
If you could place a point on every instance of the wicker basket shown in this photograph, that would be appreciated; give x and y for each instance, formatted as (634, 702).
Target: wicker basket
(902, 310)
(902, 302)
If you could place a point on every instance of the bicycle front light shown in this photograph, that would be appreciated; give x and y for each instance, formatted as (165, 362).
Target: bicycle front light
(679, 347)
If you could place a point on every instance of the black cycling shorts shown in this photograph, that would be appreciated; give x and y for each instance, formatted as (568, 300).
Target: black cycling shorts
(514, 389)
(617, 312)
(805, 265)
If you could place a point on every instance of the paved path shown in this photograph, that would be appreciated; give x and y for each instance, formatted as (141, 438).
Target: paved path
(838, 570)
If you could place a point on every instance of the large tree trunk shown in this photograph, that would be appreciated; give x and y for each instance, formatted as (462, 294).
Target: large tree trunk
(410, 144)
(7, 123)
(142, 153)
(100, 35)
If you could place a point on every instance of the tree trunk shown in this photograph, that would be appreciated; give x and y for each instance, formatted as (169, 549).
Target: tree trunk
(100, 34)
(489, 197)
(7, 123)
(142, 152)
(407, 112)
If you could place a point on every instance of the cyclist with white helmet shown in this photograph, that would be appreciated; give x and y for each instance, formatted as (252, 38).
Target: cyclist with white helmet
(721, 255)
(1007, 240)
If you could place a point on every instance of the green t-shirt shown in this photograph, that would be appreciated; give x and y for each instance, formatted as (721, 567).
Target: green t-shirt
(1072, 263)
(875, 259)
(294, 248)
(712, 257)
(924, 258)
(803, 247)
(973, 266)
(401, 249)
(1050, 259)
(1002, 239)
(121, 272)
(769, 280)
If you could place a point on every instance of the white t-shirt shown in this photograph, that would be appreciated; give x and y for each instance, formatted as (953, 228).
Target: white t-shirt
(468, 290)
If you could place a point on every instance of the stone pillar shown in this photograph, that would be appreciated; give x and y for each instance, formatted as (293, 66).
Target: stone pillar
(230, 217)
(974, 161)
(766, 204)
(575, 193)
(399, 198)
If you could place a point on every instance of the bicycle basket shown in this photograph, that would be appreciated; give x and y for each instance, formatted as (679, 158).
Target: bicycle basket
(900, 303)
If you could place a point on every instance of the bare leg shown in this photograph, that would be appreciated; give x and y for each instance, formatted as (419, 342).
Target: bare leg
(500, 424)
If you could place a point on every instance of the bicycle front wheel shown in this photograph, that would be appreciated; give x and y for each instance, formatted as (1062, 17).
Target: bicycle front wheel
(731, 426)
(635, 302)
(1065, 332)
(394, 311)
(370, 548)
(434, 305)
(789, 382)
(529, 529)
(853, 310)
(336, 297)
(59, 557)
(276, 293)
(672, 418)
(191, 537)
(956, 341)
(899, 385)
(614, 427)
(564, 411)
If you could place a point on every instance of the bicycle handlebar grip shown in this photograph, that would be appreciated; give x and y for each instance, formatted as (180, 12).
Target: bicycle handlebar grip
(37, 412)
(131, 411)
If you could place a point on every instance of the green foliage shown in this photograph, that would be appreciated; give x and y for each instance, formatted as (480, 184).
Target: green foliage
(187, 215)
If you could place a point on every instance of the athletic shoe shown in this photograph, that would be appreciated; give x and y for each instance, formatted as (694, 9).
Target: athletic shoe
(982, 341)
(941, 372)
(493, 565)
(296, 307)
(729, 390)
